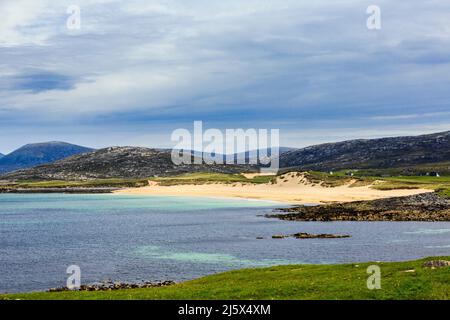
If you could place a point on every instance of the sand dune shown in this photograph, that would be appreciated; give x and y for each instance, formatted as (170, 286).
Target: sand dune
(290, 188)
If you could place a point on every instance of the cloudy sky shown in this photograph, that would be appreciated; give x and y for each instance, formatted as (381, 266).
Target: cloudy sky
(136, 70)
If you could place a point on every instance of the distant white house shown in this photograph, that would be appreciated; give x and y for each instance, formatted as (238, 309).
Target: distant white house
(433, 174)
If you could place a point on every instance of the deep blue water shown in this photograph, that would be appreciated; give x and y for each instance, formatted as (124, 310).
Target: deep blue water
(132, 238)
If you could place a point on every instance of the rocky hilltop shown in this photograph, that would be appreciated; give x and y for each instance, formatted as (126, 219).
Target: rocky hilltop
(35, 154)
(374, 153)
(117, 162)
(78, 163)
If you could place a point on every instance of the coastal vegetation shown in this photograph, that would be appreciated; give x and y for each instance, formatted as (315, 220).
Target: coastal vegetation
(56, 184)
(205, 178)
(189, 178)
(411, 280)
(380, 180)
(351, 178)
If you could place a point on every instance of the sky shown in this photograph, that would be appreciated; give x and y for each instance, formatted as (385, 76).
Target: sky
(137, 70)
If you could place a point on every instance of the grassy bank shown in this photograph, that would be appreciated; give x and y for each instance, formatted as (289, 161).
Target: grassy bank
(360, 178)
(116, 183)
(340, 178)
(399, 280)
(336, 179)
(190, 178)
(381, 181)
(208, 178)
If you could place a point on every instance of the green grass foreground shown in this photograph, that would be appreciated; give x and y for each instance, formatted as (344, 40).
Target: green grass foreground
(399, 280)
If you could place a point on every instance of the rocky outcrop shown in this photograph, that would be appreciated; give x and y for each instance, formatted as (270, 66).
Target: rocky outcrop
(303, 235)
(279, 236)
(435, 264)
(110, 285)
(320, 236)
(422, 207)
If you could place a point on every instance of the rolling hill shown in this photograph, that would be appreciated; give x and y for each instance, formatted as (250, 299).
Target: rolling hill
(32, 155)
(432, 150)
(371, 154)
(118, 162)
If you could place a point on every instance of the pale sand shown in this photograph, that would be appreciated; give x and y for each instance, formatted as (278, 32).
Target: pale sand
(254, 175)
(290, 189)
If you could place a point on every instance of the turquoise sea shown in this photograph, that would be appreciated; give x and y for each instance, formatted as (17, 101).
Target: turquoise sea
(134, 238)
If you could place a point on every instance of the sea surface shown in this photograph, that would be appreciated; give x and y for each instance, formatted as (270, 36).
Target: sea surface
(134, 238)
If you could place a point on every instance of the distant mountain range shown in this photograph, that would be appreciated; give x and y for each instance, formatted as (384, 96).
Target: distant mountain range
(68, 162)
(371, 154)
(1, 155)
(32, 155)
(118, 162)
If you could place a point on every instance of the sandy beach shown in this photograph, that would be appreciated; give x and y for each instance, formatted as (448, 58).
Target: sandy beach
(288, 189)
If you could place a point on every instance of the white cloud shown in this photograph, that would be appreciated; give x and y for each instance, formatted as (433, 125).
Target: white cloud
(205, 56)
(17, 15)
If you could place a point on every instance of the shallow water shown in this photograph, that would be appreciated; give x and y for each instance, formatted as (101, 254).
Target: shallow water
(133, 238)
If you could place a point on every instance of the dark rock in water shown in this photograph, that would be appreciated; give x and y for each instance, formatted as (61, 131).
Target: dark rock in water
(304, 235)
(320, 236)
(110, 285)
(259, 238)
(436, 264)
(421, 207)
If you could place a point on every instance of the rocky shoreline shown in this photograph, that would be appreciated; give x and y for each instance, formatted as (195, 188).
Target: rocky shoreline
(73, 190)
(109, 285)
(428, 207)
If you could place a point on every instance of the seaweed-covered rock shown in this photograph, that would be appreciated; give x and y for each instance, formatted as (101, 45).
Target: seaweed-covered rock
(320, 236)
